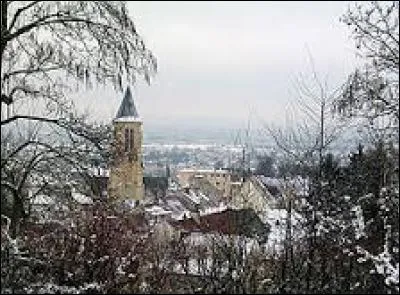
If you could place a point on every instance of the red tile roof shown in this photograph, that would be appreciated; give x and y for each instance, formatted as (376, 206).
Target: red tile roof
(231, 221)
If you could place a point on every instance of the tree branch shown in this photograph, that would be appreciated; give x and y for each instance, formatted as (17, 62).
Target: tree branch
(18, 12)
(33, 118)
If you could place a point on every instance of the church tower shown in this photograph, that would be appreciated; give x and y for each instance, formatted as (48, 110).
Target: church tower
(126, 174)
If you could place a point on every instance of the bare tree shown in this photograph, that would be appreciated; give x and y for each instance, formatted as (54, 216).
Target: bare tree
(306, 142)
(372, 92)
(33, 165)
(43, 43)
(48, 48)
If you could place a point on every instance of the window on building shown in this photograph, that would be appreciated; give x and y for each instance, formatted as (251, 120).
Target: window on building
(129, 140)
(126, 140)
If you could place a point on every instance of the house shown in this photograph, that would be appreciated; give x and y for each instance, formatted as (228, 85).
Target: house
(256, 195)
(176, 204)
(209, 237)
(262, 193)
(219, 178)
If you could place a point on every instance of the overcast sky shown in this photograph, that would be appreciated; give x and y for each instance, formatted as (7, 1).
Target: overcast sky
(221, 61)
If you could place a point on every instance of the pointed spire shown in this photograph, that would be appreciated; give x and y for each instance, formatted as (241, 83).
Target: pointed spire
(127, 109)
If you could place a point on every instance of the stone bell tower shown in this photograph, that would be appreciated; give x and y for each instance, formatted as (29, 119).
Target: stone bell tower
(126, 173)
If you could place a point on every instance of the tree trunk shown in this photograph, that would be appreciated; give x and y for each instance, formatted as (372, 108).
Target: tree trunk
(18, 213)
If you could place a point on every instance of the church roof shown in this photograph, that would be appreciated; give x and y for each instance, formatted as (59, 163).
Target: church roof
(127, 110)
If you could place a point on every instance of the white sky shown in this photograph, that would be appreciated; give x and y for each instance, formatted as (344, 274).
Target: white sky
(220, 60)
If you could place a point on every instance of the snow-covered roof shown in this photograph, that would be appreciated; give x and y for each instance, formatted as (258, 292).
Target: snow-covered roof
(128, 119)
(81, 199)
(193, 170)
(100, 171)
(243, 222)
(127, 111)
(210, 210)
(269, 181)
(193, 197)
(42, 200)
(157, 210)
(299, 184)
(129, 203)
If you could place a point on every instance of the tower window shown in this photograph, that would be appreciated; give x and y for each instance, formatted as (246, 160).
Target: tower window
(129, 140)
